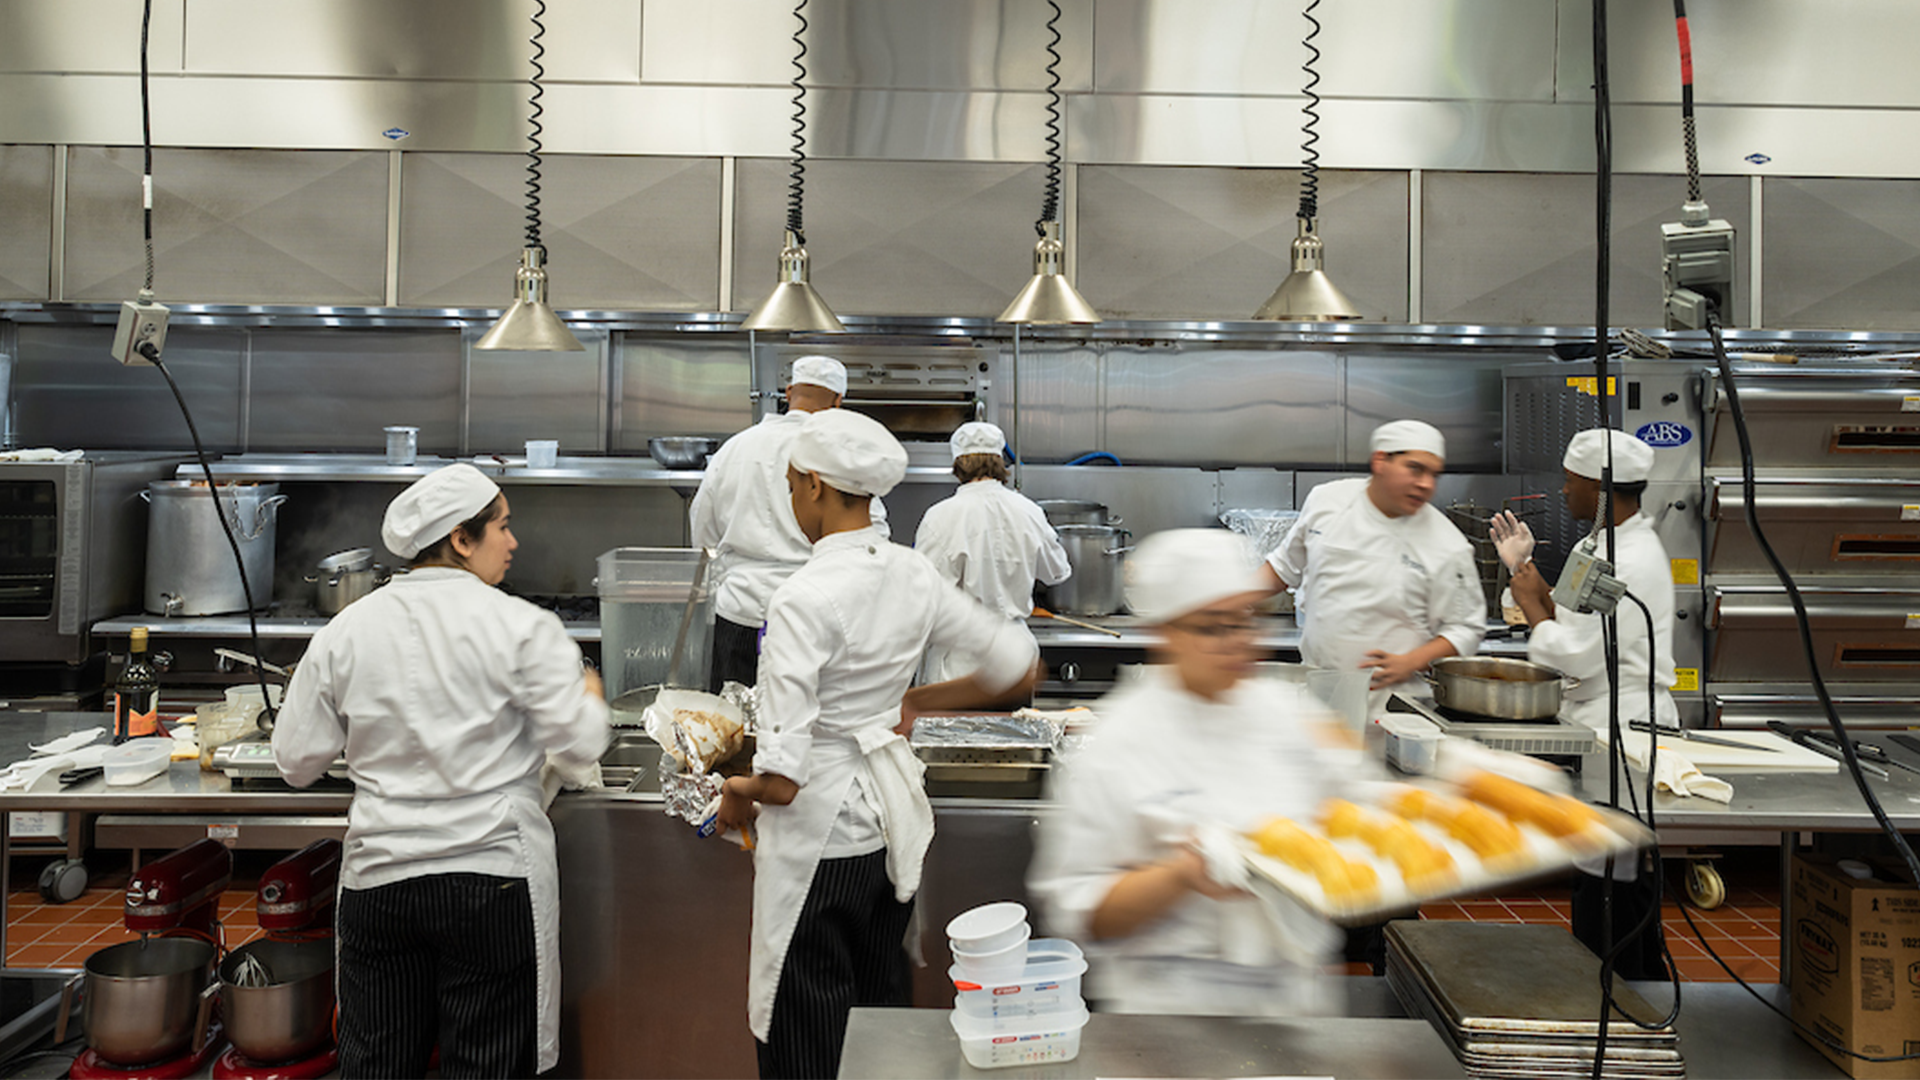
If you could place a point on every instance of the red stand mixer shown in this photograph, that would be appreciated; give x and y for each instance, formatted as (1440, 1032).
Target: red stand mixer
(149, 1002)
(276, 994)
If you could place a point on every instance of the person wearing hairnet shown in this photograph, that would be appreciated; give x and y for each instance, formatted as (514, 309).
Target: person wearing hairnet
(1574, 642)
(837, 795)
(1383, 580)
(1196, 744)
(447, 696)
(741, 511)
(989, 539)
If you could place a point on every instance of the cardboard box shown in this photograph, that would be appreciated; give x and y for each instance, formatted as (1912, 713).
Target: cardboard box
(1856, 964)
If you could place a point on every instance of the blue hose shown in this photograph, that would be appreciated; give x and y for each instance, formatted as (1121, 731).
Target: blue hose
(1084, 459)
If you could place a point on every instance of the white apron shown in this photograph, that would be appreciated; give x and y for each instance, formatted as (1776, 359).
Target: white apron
(793, 837)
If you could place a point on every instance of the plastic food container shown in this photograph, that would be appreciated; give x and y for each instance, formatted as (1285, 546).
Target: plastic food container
(1032, 1040)
(1413, 744)
(1050, 984)
(543, 453)
(1000, 965)
(217, 724)
(989, 927)
(137, 761)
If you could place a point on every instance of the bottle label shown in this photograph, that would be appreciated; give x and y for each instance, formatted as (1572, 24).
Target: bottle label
(136, 717)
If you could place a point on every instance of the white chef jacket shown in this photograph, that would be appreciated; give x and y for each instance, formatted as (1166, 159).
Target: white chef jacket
(994, 543)
(447, 696)
(1163, 761)
(844, 636)
(744, 511)
(1365, 581)
(1574, 643)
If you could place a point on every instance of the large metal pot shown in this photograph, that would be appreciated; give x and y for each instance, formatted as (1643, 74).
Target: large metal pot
(1076, 512)
(292, 1016)
(1498, 687)
(1098, 555)
(143, 1000)
(190, 568)
(344, 577)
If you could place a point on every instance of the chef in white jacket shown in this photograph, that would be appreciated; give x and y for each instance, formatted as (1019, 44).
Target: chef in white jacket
(1575, 642)
(1194, 743)
(989, 539)
(741, 511)
(1382, 580)
(446, 696)
(842, 813)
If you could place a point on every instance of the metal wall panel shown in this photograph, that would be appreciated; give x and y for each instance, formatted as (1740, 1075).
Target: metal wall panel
(230, 226)
(1518, 249)
(1459, 393)
(325, 390)
(1841, 253)
(26, 222)
(1147, 499)
(1221, 406)
(585, 40)
(66, 36)
(1496, 49)
(1210, 243)
(894, 237)
(678, 386)
(516, 396)
(1060, 414)
(944, 45)
(621, 233)
(70, 393)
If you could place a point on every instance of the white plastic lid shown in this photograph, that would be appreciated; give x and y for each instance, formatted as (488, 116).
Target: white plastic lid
(1409, 727)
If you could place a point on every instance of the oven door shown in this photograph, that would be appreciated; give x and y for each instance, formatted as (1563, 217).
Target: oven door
(1824, 526)
(1856, 420)
(1860, 635)
(43, 545)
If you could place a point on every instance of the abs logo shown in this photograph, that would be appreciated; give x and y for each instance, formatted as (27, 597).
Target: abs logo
(1664, 433)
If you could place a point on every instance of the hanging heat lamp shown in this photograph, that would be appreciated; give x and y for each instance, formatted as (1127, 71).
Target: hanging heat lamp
(793, 305)
(1308, 294)
(530, 325)
(1049, 299)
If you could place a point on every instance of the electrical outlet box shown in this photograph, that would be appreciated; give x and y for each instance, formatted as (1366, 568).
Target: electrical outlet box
(1696, 269)
(1587, 583)
(141, 323)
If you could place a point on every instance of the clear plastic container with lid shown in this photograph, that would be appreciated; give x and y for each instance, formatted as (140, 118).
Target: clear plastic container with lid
(656, 621)
(1050, 983)
(1032, 1040)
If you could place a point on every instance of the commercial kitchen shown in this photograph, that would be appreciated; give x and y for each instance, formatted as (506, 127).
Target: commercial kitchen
(346, 195)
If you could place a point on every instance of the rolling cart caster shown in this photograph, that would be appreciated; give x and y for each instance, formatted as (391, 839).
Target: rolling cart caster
(1704, 886)
(63, 881)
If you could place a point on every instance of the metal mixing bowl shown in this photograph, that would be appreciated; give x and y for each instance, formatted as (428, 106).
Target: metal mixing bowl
(682, 451)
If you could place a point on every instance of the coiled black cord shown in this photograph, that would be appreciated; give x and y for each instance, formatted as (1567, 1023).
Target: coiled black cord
(1050, 207)
(1310, 129)
(1686, 100)
(534, 111)
(797, 183)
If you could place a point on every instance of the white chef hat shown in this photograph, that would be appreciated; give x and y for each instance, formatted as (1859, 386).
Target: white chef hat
(428, 510)
(820, 371)
(1179, 571)
(1587, 455)
(978, 437)
(1401, 435)
(851, 452)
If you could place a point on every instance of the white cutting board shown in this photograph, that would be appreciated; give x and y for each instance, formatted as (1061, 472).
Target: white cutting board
(1709, 757)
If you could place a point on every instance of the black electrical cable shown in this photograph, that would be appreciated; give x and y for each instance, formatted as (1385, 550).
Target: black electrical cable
(1050, 206)
(1793, 597)
(1309, 129)
(1687, 132)
(146, 145)
(534, 128)
(797, 181)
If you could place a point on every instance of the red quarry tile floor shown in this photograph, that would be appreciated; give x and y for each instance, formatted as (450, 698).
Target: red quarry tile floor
(43, 935)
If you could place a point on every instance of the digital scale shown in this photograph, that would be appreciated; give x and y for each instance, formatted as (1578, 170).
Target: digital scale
(250, 757)
(1551, 738)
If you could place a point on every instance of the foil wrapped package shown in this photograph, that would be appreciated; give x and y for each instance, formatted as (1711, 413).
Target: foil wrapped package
(988, 732)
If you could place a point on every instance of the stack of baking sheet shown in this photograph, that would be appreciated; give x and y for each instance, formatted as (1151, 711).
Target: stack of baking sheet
(1522, 1001)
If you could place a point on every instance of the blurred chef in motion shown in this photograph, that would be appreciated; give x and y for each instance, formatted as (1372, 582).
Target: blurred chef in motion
(838, 796)
(1382, 579)
(989, 539)
(1195, 744)
(742, 512)
(1574, 642)
(446, 696)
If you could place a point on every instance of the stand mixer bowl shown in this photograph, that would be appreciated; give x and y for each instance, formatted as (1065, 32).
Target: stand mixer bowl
(143, 998)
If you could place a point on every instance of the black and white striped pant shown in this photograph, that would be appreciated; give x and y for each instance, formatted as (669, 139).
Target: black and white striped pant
(447, 959)
(846, 951)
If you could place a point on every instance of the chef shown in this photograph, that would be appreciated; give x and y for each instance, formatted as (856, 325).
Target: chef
(742, 512)
(447, 696)
(1383, 580)
(1196, 742)
(1574, 642)
(987, 538)
(842, 813)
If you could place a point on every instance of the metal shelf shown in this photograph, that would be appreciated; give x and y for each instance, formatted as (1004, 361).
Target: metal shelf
(571, 471)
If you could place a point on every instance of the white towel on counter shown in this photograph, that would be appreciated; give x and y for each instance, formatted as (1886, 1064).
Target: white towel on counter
(23, 775)
(42, 454)
(70, 741)
(1673, 772)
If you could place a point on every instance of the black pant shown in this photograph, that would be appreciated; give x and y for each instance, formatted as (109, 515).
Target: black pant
(846, 952)
(447, 959)
(736, 655)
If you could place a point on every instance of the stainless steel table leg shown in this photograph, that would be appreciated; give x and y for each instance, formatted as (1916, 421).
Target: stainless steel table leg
(6, 879)
(1786, 900)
